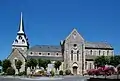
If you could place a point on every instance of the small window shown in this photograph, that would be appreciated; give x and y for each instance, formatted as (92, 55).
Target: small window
(57, 54)
(16, 41)
(71, 51)
(85, 65)
(75, 45)
(48, 53)
(15, 60)
(77, 51)
(107, 52)
(99, 52)
(91, 52)
(20, 37)
(77, 57)
(23, 41)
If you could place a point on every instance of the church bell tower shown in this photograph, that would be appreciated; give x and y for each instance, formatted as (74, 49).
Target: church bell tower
(21, 41)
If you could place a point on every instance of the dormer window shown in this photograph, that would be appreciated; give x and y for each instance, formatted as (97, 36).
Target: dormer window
(57, 54)
(20, 37)
(23, 41)
(16, 41)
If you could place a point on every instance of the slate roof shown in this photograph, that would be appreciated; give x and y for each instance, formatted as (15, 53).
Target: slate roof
(98, 45)
(53, 48)
(45, 48)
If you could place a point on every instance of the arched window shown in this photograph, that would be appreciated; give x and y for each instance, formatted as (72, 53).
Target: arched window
(90, 66)
(15, 60)
(85, 65)
(91, 52)
(107, 52)
(99, 52)
(16, 41)
(20, 37)
(78, 55)
(71, 54)
(23, 41)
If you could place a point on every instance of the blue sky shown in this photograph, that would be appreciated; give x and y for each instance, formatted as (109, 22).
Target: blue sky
(49, 21)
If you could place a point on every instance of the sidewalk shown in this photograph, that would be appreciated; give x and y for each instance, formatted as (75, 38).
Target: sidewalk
(42, 78)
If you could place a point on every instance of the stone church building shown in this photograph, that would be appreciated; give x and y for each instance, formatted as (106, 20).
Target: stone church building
(74, 51)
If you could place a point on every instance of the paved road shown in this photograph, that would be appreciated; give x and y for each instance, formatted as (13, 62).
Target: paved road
(66, 78)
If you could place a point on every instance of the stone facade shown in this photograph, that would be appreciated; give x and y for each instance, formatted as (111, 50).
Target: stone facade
(74, 52)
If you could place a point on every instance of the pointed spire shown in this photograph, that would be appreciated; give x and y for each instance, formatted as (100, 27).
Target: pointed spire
(21, 26)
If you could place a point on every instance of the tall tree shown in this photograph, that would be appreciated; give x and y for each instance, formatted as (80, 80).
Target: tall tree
(40, 63)
(5, 64)
(33, 63)
(28, 64)
(18, 65)
(45, 63)
(57, 65)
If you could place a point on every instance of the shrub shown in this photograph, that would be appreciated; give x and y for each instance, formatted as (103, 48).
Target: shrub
(22, 73)
(10, 71)
(52, 73)
(68, 72)
(60, 72)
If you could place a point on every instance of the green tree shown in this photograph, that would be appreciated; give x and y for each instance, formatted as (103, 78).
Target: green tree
(28, 64)
(45, 63)
(18, 65)
(57, 65)
(31, 63)
(5, 64)
(115, 60)
(40, 63)
(101, 61)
